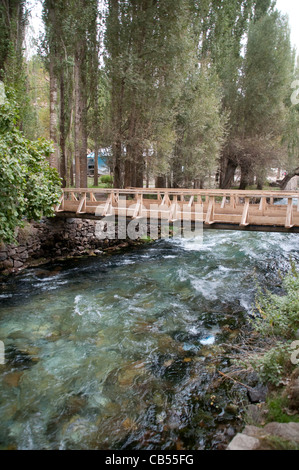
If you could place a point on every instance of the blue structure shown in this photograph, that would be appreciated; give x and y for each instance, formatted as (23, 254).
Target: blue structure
(102, 167)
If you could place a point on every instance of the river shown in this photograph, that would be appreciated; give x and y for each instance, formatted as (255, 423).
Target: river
(116, 352)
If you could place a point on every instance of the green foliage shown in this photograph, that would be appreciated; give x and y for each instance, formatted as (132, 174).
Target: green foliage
(107, 179)
(148, 47)
(37, 120)
(29, 188)
(277, 319)
(276, 406)
(267, 75)
(13, 20)
(274, 364)
(200, 127)
(279, 315)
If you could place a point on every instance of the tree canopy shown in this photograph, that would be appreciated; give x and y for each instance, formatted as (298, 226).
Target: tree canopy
(176, 92)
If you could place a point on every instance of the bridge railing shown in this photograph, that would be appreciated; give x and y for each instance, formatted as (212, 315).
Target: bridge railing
(234, 207)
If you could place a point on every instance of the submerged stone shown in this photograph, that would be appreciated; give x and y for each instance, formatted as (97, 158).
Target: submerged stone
(13, 378)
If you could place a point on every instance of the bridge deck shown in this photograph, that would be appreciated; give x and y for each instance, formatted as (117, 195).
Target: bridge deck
(250, 210)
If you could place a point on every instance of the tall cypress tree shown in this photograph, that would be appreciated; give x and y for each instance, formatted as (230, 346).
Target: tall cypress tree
(13, 20)
(264, 87)
(145, 42)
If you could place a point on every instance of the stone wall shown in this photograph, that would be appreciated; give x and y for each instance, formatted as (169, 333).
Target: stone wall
(53, 239)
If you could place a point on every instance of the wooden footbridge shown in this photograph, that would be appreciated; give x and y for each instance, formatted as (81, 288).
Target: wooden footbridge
(273, 211)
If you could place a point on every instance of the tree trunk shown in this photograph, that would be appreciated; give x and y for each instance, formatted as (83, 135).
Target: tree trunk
(139, 167)
(117, 109)
(54, 159)
(260, 179)
(244, 178)
(72, 182)
(228, 178)
(288, 178)
(160, 182)
(80, 118)
(62, 131)
(116, 150)
(96, 163)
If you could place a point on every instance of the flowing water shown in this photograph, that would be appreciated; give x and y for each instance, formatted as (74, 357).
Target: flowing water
(117, 352)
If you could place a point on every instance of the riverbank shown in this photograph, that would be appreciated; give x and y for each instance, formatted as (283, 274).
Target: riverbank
(270, 350)
(56, 239)
(271, 421)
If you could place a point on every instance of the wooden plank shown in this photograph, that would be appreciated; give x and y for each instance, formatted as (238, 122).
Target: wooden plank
(286, 216)
(289, 217)
(263, 205)
(210, 192)
(210, 213)
(138, 209)
(227, 218)
(244, 219)
(166, 201)
(82, 205)
(173, 210)
(108, 206)
(92, 197)
(60, 203)
(232, 201)
(73, 197)
(191, 201)
(223, 202)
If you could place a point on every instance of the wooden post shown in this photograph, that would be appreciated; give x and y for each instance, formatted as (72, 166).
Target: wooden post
(92, 197)
(108, 206)
(244, 218)
(289, 217)
(166, 201)
(173, 209)
(191, 201)
(138, 209)
(82, 205)
(263, 204)
(60, 204)
(210, 213)
(73, 197)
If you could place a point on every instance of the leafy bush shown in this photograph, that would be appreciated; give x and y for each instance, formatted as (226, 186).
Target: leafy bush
(29, 188)
(106, 179)
(276, 318)
(274, 364)
(279, 315)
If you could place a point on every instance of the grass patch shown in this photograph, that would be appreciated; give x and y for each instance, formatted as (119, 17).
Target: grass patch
(276, 443)
(277, 406)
